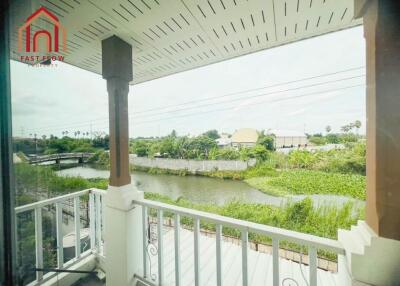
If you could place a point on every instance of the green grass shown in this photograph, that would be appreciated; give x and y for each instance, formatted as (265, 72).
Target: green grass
(297, 182)
(323, 221)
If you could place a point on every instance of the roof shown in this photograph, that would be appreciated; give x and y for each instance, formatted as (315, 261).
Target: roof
(174, 36)
(245, 135)
(286, 133)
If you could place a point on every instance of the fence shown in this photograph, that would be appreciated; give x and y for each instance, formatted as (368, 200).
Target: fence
(192, 166)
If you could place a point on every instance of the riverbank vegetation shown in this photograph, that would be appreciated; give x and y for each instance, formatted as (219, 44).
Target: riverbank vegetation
(299, 182)
(81, 142)
(303, 216)
(202, 147)
(34, 183)
(333, 172)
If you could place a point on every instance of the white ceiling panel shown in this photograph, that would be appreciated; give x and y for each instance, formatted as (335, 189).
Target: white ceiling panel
(170, 36)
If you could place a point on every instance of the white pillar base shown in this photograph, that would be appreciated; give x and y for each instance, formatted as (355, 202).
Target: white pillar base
(123, 235)
(370, 259)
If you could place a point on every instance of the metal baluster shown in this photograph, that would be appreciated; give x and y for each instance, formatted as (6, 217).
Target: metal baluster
(275, 261)
(160, 222)
(196, 252)
(103, 223)
(39, 243)
(312, 255)
(245, 242)
(98, 222)
(77, 217)
(177, 226)
(60, 247)
(218, 237)
(92, 222)
(144, 246)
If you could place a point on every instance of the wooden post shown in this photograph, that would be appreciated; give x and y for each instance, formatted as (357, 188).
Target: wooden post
(382, 34)
(117, 70)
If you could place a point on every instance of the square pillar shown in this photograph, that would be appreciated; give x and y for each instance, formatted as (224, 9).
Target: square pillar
(123, 220)
(381, 30)
(117, 70)
(373, 247)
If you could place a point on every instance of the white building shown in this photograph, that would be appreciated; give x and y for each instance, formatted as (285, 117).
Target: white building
(288, 138)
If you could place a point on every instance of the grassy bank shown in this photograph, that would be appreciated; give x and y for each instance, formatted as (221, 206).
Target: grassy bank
(257, 171)
(296, 182)
(303, 216)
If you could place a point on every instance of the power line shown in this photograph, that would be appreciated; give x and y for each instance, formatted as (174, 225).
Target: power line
(253, 96)
(101, 119)
(252, 104)
(256, 103)
(251, 90)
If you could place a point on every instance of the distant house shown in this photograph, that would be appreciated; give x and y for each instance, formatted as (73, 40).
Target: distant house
(288, 138)
(224, 142)
(245, 137)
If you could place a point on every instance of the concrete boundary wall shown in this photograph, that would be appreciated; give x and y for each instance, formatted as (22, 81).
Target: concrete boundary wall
(191, 165)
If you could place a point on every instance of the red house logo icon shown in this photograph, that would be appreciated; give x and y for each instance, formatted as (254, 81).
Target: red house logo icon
(52, 41)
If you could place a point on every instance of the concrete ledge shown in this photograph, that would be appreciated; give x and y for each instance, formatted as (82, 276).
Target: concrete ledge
(371, 260)
(67, 279)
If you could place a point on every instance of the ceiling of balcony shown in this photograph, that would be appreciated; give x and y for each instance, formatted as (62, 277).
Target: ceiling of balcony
(170, 36)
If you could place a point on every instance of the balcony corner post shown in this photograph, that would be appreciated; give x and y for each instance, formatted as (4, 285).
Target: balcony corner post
(375, 243)
(123, 221)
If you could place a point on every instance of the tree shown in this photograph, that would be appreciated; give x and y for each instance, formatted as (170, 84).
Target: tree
(346, 128)
(332, 138)
(140, 148)
(174, 134)
(212, 134)
(267, 141)
(328, 129)
(317, 140)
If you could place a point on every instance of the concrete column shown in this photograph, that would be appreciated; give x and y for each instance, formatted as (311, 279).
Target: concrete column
(373, 248)
(382, 35)
(123, 221)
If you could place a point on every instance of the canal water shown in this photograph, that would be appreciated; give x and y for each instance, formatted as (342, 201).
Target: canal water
(199, 189)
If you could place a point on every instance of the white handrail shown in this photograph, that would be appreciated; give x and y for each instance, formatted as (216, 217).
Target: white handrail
(50, 201)
(95, 222)
(54, 200)
(273, 232)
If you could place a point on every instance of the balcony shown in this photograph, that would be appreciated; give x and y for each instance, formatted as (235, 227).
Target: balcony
(179, 246)
(129, 241)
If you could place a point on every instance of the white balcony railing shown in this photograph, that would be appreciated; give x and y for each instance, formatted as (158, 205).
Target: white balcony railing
(61, 205)
(313, 243)
(192, 258)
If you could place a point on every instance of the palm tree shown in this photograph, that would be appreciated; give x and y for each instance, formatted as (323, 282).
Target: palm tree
(328, 129)
(357, 124)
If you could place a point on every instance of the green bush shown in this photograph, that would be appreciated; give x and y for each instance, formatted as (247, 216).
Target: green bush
(317, 140)
(301, 216)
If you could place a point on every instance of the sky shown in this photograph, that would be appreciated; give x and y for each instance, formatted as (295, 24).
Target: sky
(226, 96)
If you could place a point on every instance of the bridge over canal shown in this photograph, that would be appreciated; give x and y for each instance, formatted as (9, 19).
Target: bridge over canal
(81, 157)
